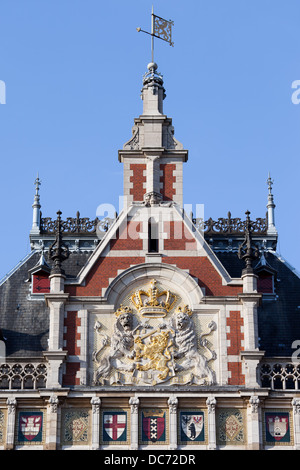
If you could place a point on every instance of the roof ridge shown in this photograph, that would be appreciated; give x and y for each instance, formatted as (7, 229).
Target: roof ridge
(13, 270)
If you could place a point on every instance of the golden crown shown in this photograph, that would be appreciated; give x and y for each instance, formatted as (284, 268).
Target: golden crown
(153, 303)
(186, 309)
(122, 309)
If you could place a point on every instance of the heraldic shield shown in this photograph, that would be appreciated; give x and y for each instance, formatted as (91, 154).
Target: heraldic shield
(30, 426)
(153, 426)
(192, 426)
(277, 427)
(114, 426)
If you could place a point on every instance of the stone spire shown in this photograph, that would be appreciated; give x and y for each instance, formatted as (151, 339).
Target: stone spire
(153, 158)
(36, 219)
(271, 208)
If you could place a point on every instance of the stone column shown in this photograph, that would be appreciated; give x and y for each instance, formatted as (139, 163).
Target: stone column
(254, 430)
(173, 403)
(52, 422)
(153, 179)
(11, 422)
(55, 354)
(296, 412)
(251, 354)
(54, 374)
(212, 438)
(96, 404)
(134, 419)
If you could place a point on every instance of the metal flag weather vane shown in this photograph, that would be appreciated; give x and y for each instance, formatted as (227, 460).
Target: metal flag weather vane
(161, 29)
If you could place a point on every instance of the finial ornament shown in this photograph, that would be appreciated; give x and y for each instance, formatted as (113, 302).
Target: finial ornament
(246, 250)
(58, 251)
(36, 217)
(37, 184)
(271, 207)
(270, 183)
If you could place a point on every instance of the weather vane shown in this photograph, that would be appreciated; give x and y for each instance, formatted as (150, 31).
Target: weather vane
(161, 29)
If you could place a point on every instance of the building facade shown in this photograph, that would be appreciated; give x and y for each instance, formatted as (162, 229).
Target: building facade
(154, 329)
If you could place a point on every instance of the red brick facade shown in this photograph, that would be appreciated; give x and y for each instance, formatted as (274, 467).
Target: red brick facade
(138, 179)
(208, 277)
(129, 238)
(71, 337)
(235, 336)
(69, 378)
(99, 275)
(178, 238)
(168, 180)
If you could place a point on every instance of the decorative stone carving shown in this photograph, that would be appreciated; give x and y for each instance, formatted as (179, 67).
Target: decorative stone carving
(122, 342)
(134, 405)
(133, 143)
(11, 405)
(185, 341)
(53, 401)
(173, 403)
(171, 352)
(96, 403)
(211, 404)
(254, 402)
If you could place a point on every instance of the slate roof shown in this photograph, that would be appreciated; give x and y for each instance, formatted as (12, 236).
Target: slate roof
(24, 322)
(278, 315)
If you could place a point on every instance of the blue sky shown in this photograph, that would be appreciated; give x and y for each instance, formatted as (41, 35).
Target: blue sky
(73, 74)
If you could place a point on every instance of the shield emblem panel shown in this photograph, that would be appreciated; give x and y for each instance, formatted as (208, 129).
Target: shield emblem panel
(191, 426)
(153, 426)
(278, 428)
(114, 426)
(30, 427)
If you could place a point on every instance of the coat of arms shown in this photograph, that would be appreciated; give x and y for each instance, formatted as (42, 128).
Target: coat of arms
(114, 426)
(192, 426)
(153, 341)
(153, 425)
(30, 426)
(277, 427)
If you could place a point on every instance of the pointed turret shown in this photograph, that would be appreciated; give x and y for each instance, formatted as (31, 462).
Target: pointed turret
(271, 208)
(153, 158)
(36, 217)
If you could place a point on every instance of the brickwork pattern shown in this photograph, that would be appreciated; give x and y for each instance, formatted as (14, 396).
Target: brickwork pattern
(128, 238)
(235, 337)
(138, 179)
(168, 179)
(208, 278)
(98, 277)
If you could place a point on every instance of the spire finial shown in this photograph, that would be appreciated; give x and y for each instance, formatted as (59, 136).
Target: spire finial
(58, 251)
(271, 206)
(37, 183)
(36, 206)
(246, 250)
(270, 183)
